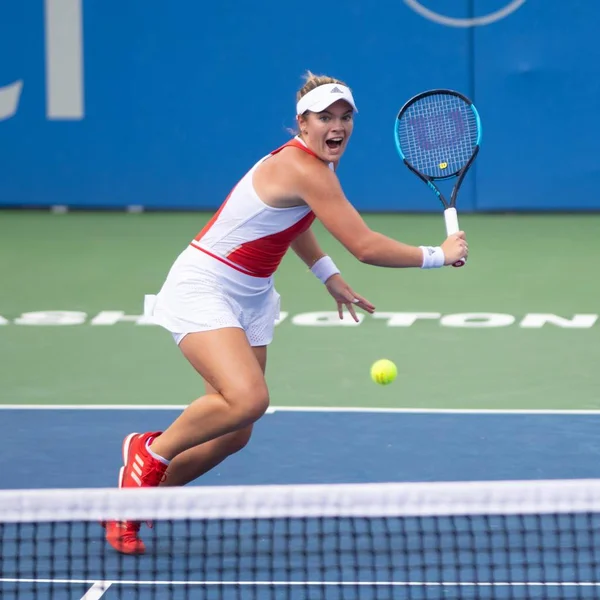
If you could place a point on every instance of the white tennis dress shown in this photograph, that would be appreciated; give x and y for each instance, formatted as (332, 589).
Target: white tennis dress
(224, 278)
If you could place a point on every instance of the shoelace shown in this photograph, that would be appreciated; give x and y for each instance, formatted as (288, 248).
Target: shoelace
(155, 476)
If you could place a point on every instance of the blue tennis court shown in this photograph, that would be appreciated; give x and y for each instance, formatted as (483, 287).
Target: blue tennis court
(71, 448)
(80, 448)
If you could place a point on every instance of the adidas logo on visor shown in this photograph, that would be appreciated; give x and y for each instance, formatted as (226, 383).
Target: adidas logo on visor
(336, 90)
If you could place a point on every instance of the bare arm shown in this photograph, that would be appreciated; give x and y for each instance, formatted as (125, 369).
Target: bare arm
(320, 189)
(307, 248)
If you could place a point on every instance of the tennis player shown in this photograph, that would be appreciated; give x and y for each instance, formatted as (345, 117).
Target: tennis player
(219, 302)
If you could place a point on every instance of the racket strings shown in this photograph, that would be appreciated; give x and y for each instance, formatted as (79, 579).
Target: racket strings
(438, 134)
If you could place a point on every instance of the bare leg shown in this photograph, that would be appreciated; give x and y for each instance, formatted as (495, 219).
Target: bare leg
(240, 396)
(193, 463)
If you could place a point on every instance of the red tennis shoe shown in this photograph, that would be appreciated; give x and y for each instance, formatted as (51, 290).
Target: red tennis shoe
(140, 469)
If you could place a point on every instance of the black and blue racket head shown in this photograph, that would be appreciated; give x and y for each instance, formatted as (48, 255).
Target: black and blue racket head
(438, 133)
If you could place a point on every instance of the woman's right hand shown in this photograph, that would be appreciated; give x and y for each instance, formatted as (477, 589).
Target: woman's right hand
(455, 247)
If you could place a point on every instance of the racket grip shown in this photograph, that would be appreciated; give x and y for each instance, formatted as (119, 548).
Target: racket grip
(451, 221)
(451, 218)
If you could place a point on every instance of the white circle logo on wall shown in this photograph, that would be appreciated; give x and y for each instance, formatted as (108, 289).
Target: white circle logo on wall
(504, 12)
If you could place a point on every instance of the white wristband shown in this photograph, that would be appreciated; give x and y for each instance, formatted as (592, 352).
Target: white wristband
(324, 268)
(433, 257)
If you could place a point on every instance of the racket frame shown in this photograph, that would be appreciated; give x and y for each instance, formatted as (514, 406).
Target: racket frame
(450, 214)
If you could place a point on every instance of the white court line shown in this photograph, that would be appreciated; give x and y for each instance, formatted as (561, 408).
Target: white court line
(92, 407)
(472, 411)
(97, 590)
(322, 583)
(337, 409)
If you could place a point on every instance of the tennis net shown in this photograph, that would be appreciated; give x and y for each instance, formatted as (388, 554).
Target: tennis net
(506, 540)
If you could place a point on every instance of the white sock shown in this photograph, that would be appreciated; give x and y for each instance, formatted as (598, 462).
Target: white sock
(164, 461)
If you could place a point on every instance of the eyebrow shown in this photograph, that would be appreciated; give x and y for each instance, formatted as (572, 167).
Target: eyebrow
(330, 113)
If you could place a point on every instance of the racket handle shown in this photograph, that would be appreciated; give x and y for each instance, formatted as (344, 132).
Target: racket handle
(451, 219)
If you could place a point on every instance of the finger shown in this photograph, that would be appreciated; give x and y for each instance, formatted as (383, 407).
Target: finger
(366, 307)
(358, 299)
(341, 310)
(350, 296)
(351, 310)
(364, 303)
(460, 235)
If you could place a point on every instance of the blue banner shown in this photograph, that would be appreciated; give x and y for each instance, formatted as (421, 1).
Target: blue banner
(166, 105)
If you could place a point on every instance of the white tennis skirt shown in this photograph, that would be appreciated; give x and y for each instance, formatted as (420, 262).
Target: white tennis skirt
(201, 293)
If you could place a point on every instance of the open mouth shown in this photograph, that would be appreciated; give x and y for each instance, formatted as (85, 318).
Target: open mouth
(334, 143)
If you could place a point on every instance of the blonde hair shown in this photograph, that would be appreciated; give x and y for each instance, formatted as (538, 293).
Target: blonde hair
(313, 81)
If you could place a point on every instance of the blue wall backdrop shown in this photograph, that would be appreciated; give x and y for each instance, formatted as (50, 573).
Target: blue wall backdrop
(177, 100)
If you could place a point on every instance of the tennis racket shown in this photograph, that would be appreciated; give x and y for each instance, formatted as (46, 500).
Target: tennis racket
(437, 135)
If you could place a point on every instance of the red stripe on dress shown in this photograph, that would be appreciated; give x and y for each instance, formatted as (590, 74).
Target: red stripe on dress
(262, 256)
(220, 259)
(214, 217)
(296, 144)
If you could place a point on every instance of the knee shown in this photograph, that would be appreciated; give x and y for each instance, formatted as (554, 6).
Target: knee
(248, 402)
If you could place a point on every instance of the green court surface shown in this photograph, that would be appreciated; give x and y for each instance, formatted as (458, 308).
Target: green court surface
(531, 278)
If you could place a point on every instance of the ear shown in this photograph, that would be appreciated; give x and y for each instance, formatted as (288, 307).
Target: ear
(301, 120)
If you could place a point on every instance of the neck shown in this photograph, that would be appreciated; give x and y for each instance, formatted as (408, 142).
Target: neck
(332, 165)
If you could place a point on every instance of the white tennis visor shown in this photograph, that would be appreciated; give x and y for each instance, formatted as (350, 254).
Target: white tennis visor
(324, 96)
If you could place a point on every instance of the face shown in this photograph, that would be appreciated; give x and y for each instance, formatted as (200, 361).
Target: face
(328, 132)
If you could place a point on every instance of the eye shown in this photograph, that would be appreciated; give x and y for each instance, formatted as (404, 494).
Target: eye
(347, 117)
(324, 117)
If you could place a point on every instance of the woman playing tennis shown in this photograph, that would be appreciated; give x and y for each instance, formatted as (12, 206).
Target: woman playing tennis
(219, 302)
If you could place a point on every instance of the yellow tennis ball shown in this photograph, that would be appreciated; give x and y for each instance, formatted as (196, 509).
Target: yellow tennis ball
(383, 371)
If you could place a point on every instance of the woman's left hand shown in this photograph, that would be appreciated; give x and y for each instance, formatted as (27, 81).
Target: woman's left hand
(344, 296)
